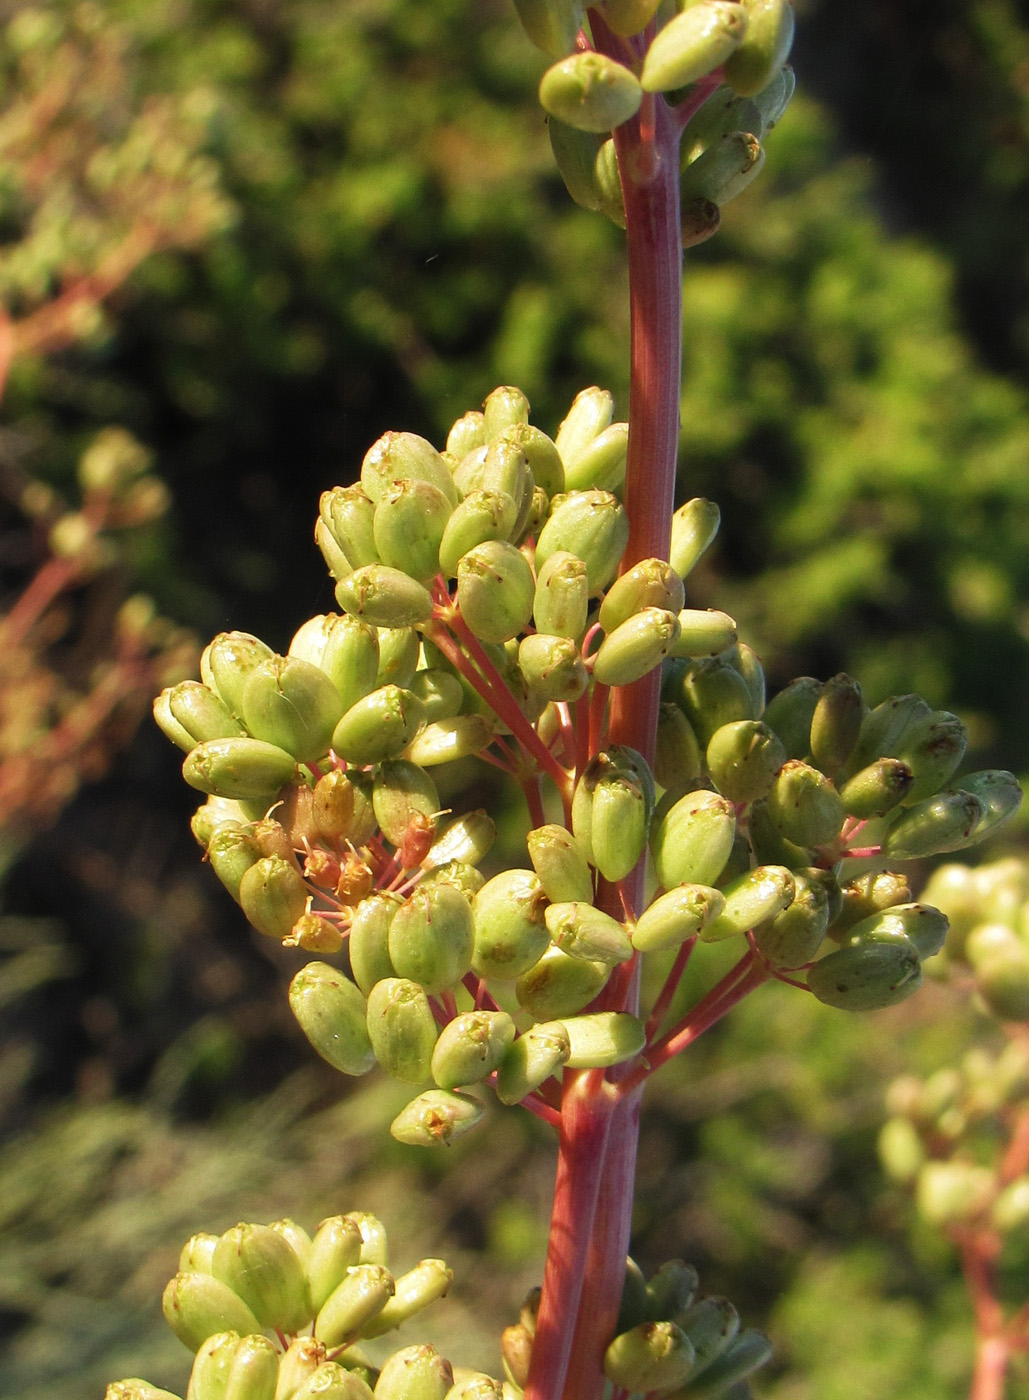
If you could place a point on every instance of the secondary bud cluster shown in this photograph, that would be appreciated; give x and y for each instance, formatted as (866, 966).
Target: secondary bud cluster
(988, 908)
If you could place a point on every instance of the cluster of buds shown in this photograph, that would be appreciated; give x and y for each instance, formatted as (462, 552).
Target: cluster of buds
(668, 1342)
(319, 1297)
(719, 63)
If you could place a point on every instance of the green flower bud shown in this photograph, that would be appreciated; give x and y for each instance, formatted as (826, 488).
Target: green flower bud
(923, 925)
(932, 749)
(652, 583)
(694, 527)
(792, 937)
(592, 525)
(135, 1389)
(884, 730)
(169, 725)
(361, 1294)
(550, 24)
(751, 899)
(403, 793)
(434, 1119)
(678, 914)
(399, 654)
(404, 457)
(212, 1367)
(196, 1254)
(292, 704)
(693, 44)
(466, 839)
(516, 1353)
(561, 599)
(471, 1047)
(652, 1356)
(866, 976)
(265, 1270)
(946, 822)
(865, 895)
(537, 1054)
(712, 693)
(670, 1292)
(215, 813)
(196, 1306)
(201, 713)
(552, 666)
(467, 433)
(379, 726)
(333, 1382)
(743, 1356)
(836, 722)
(227, 662)
(373, 1237)
(804, 805)
(402, 1029)
(384, 596)
(347, 514)
(765, 48)
(603, 1038)
(298, 1363)
(791, 713)
(585, 932)
(743, 758)
(483, 515)
(560, 865)
(369, 939)
(1000, 795)
(336, 561)
(711, 1325)
(677, 757)
(601, 464)
(447, 740)
(723, 112)
(510, 932)
(609, 184)
(1002, 979)
(350, 658)
(725, 169)
(951, 1193)
(254, 1372)
(590, 91)
(1010, 1210)
(410, 520)
(332, 1014)
(273, 896)
(431, 937)
(575, 153)
(773, 99)
(746, 661)
(476, 1387)
(591, 412)
(691, 841)
(635, 647)
(336, 1247)
(877, 789)
(495, 590)
(703, 632)
(769, 845)
(505, 407)
(559, 985)
(245, 769)
(414, 1373)
(540, 452)
(232, 851)
(424, 1284)
(439, 691)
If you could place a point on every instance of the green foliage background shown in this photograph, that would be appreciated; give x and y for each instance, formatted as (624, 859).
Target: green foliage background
(856, 346)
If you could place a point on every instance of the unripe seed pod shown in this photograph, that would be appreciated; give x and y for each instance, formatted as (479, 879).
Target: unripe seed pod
(558, 985)
(725, 169)
(746, 661)
(254, 1371)
(677, 757)
(332, 1014)
(232, 851)
(379, 726)
(369, 940)
(932, 748)
(743, 758)
(404, 457)
(374, 1246)
(471, 1047)
(439, 691)
(169, 725)
(431, 938)
(601, 464)
(712, 693)
(196, 1254)
(136, 1389)
(694, 527)
(385, 597)
(792, 937)
(946, 822)
(315, 935)
(765, 48)
(273, 896)
(350, 657)
(703, 632)
(212, 1367)
(537, 1054)
(336, 561)
(652, 583)
(435, 1118)
(482, 515)
(503, 408)
(950, 1193)
(510, 931)
(308, 641)
(591, 412)
(635, 647)
(866, 977)
(670, 1292)
(603, 1038)
(561, 599)
(769, 845)
(336, 1247)
(743, 1356)
(333, 1382)
(402, 792)
(541, 453)
(467, 433)
(609, 185)
(215, 813)
(227, 662)
(347, 514)
(901, 1150)
(466, 839)
(877, 789)
(723, 112)
(399, 654)
(290, 703)
(804, 805)
(868, 894)
(516, 1354)
(560, 865)
(402, 1029)
(925, 926)
(691, 841)
(751, 899)
(1000, 795)
(678, 914)
(622, 807)
(428, 1281)
(652, 1356)
(202, 713)
(591, 92)
(552, 666)
(791, 713)
(710, 1324)
(358, 1297)
(495, 590)
(197, 1306)
(885, 728)
(575, 153)
(585, 932)
(592, 525)
(298, 1363)
(773, 99)
(447, 740)
(505, 468)
(245, 769)
(836, 723)
(693, 44)
(265, 1271)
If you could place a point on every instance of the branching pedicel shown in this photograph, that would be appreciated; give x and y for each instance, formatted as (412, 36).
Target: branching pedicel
(520, 598)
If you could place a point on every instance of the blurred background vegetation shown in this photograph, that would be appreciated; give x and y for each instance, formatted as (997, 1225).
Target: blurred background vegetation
(239, 239)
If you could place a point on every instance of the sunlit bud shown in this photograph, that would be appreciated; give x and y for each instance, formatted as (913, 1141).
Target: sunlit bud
(952, 1192)
(466, 839)
(866, 976)
(622, 807)
(942, 823)
(585, 932)
(446, 740)
(750, 899)
(410, 520)
(467, 433)
(254, 1372)
(240, 768)
(592, 525)
(652, 1356)
(710, 1324)
(369, 940)
(725, 169)
(670, 1292)
(608, 183)
(482, 515)
(336, 561)
(836, 722)
(561, 599)
(1000, 795)
(691, 841)
(652, 583)
(297, 1364)
(357, 1298)
(694, 527)
(196, 1254)
(227, 662)
(435, 1118)
(169, 725)
(347, 515)
(384, 596)
(334, 805)
(332, 1014)
(201, 713)
(713, 693)
(431, 937)
(290, 703)
(136, 1389)
(402, 791)
(866, 895)
(693, 44)
(273, 895)
(591, 92)
(544, 460)
(932, 748)
(678, 914)
(925, 926)
(877, 789)
(510, 932)
(551, 24)
(765, 49)
(349, 657)
(745, 660)
(215, 813)
(537, 1054)
(629, 17)
(332, 1381)
(559, 985)
(552, 666)
(212, 1366)
(516, 1353)
(744, 1355)
(601, 463)
(428, 1281)
(265, 1270)
(791, 713)
(198, 1305)
(402, 1029)
(743, 758)
(560, 865)
(1002, 979)
(232, 851)
(505, 470)
(471, 1047)
(399, 654)
(804, 805)
(703, 632)
(476, 1387)
(336, 1247)
(404, 457)
(677, 757)
(885, 729)
(273, 840)
(792, 937)
(495, 590)
(315, 935)
(505, 407)
(379, 726)
(374, 1245)
(308, 642)
(635, 647)
(603, 1038)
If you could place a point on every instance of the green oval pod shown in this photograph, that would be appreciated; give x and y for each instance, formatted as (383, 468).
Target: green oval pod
(431, 938)
(932, 747)
(510, 929)
(332, 1014)
(297, 1365)
(691, 841)
(357, 1298)
(435, 1118)
(201, 713)
(290, 703)
(273, 896)
(265, 1270)
(402, 793)
(439, 691)
(560, 865)
(212, 1367)
(245, 769)
(336, 561)
(877, 789)
(693, 44)
(744, 1355)
(670, 1292)
(743, 758)
(169, 725)
(196, 1254)
(254, 1372)
(791, 713)
(232, 851)
(495, 590)
(476, 1387)
(227, 662)
(540, 451)
(197, 1306)
(1000, 794)
(652, 1356)
(713, 693)
(410, 519)
(350, 657)
(559, 985)
(537, 1054)
(725, 169)
(471, 1047)
(585, 932)
(652, 583)
(575, 153)
(865, 895)
(635, 647)
(550, 24)
(836, 723)
(622, 807)
(678, 914)
(867, 976)
(765, 48)
(504, 407)
(603, 1038)
(804, 805)
(925, 926)
(552, 666)
(677, 757)
(750, 899)
(590, 92)
(694, 527)
(447, 740)
(384, 596)
(374, 1248)
(773, 99)
(591, 412)
(404, 457)
(336, 1247)
(379, 726)
(793, 937)
(600, 465)
(428, 1281)
(505, 468)
(466, 839)
(711, 1324)
(561, 599)
(466, 433)
(593, 526)
(348, 514)
(399, 654)
(402, 1029)
(946, 822)
(884, 730)
(333, 1382)
(703, 632)
(482, 515)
